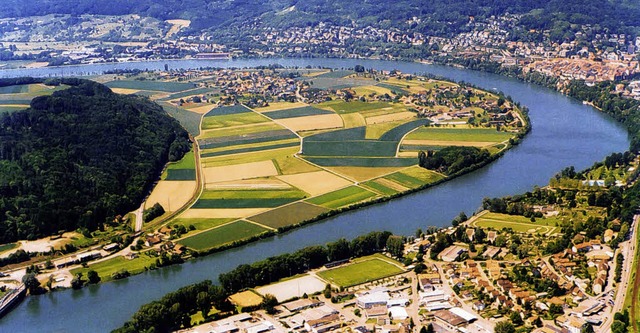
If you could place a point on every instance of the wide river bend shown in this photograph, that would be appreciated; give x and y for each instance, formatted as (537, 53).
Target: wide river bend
(565, 132)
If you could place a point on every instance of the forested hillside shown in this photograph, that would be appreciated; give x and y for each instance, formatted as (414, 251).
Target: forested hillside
(80, 157)
(438, 17)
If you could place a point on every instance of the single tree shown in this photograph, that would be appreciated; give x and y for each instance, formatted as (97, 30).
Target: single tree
(93, 277)
(504, 327)
(269, 303)
(31, 283)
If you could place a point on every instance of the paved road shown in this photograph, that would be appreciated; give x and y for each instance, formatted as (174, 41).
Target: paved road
(627, 248)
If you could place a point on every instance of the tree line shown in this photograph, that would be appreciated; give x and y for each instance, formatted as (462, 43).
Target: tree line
(173, 311)
(80, 157)
(451, 160)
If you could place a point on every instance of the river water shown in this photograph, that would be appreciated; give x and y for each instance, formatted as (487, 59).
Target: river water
(565, 132)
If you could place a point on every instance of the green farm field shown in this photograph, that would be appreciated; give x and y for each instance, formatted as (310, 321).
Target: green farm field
(343, 197)
(340, 106)
(248, 198)
(459, 134)
(201, 223)
(222, 235)
(249, 157)
(106, 268)
(288, 215)
(365, 270)
(262, 126)
(230, 120)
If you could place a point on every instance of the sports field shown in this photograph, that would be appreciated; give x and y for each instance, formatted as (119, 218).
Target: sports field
(245, 299)
(293, 288)
(522, 224)
(366, 270)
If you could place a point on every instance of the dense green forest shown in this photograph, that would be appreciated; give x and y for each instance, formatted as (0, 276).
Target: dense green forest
(80, 157)
(439, 17)
(450, 160)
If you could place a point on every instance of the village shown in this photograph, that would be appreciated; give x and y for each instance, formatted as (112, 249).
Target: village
(451, 293)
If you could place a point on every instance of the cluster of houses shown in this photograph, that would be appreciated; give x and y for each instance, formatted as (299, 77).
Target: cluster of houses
(583, 69)
(160, 241)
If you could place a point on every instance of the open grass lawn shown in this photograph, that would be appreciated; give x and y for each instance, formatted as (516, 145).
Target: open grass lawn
(459, 134)
(360, 272)
(188, 161)
(343, 197)
(151, 85)
(222, 235)
(297, 112)
(197, 318)
(201, 223)
(340, 106)
(426, 176)
(363, 161)
(249, 157)
(106, 268)
(288, 215)
(231, 120)
(517, 223)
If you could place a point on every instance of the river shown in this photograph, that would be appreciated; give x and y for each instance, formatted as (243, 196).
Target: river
(565, 132)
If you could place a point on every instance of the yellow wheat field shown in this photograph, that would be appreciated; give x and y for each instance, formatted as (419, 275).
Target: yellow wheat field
(311, 123)
(239, 171)
(216, 213)
(390, 117)
(448, 143)
(250, 184)
(317, 182)
(171, 194)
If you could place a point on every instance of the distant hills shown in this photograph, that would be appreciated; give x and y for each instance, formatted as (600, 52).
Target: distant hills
(438, 17)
